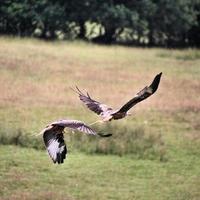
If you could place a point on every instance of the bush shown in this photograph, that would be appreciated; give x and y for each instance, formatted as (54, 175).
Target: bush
(18, 137)
(124, 141)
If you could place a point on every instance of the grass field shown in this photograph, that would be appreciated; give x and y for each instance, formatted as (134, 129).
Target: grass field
(153, 154)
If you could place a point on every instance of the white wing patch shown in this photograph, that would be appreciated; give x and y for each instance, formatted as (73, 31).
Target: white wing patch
(53, 149)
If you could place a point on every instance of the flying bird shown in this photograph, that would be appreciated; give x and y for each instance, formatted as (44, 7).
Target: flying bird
(53, 136)
(107, 113)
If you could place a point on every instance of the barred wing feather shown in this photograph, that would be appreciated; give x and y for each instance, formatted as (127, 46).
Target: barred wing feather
(92, 104)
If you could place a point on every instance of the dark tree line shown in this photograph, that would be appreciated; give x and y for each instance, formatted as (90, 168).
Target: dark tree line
(138, 22)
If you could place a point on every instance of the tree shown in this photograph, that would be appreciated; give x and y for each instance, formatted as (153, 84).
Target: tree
(194, 32)
(16, 18)
(79, 12)
(22, 17)
(141, 22)
(114, 18)
(50, 17)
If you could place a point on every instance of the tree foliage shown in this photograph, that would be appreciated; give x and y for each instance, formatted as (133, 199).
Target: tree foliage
(141, 22)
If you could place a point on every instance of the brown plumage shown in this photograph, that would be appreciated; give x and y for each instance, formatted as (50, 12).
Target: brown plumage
(107, 113)
(53, 136)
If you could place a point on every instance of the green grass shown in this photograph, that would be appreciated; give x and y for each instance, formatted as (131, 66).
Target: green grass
(28, 174)
(153, 154)
(190, 54)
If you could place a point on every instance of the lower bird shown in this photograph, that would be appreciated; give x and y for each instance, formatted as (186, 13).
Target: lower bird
(107, 113)
(53, 136)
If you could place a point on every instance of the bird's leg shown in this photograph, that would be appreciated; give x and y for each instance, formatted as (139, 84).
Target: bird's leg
(128, 113)
(98, 121)
(37, 134)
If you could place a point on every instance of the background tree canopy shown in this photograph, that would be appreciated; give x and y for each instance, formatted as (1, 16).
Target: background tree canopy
(138, 22)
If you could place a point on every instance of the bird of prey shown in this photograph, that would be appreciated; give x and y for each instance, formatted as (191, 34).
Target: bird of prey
(107, 113)
(53, 136)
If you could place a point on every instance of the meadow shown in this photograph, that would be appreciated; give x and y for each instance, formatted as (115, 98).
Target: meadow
(153, 154)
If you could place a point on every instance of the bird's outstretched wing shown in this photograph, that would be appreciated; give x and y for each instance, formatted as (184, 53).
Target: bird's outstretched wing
(93, 105)
(55, 144)
(54, 138)
(143, 94)
(78, 125)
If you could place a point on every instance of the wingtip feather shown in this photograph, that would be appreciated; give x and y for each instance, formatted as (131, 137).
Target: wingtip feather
(154, 85)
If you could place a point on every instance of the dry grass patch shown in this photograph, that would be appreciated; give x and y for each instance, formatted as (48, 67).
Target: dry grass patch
(35, 77)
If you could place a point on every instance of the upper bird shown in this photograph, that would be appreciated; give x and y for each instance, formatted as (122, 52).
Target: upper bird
(107, 113)
(53, 136)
